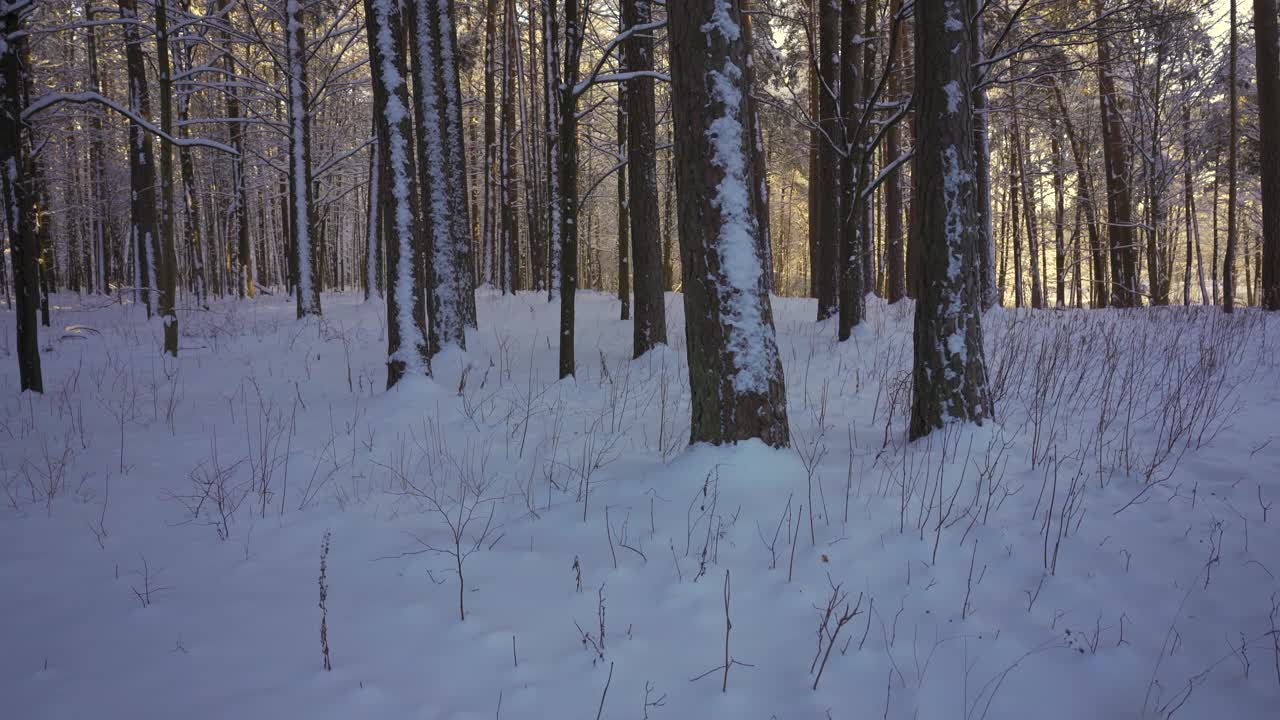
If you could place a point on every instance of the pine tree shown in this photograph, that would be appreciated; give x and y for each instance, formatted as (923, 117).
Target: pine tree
(949, 372)
(735, 373)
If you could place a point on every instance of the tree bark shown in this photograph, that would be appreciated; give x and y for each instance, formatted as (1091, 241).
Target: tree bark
(1084, 190)
(407, 351)
(949, 372)
(828, 266)
(1120, 221)
(624, 221)
(302, 227)
(896, 281)
(568, 168)
(650, 324)
(168, 260)
(755, 132)
(852, 291)
(142, 182)
(735, 373)
(1267, 29)
(14, 155)
(1233, 114)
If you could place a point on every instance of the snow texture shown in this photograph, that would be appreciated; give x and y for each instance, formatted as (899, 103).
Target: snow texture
(1145, 588)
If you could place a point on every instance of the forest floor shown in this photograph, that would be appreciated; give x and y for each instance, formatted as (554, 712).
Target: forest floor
(1107, 548)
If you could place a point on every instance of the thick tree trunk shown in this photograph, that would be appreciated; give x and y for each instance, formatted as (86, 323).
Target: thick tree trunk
(949, 372)
(455, 279)
(23, 245)
(406, 343)
(650, 323)
(445, 266)
(735, 373)
(1267, 28)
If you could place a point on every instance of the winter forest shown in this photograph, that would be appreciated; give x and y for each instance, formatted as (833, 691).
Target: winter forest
(640, 359)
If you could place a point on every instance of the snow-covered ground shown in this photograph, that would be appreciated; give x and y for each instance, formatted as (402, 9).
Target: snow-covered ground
(1108, 549)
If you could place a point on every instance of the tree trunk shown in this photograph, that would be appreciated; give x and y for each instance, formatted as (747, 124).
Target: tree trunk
(1233, 114)
(982, 159)
(624, 221)
(1115, 150)
(510, 225)
(1084, 190)
(104, 234)
(735, 373)
(489, 219)
(755, 132)
(650, 324)
(406, 345)
(455, 287)
(1015, 188)
(1028, 212)
(239, 193)
(896, 282)
(373, 232)
(168, 260)
(852, 291)
(568, 169)
(302, 228)
(1267, 29)
(828, 241)
(190, 200)
(14, 155)
(1059, 216)
(949, 373)
(142, 181)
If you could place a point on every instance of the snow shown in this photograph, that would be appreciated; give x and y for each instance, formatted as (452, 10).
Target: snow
(955, 180)
(1145, 604)
(952, 22)
(754, 353)
(954, 96)
(11, 188)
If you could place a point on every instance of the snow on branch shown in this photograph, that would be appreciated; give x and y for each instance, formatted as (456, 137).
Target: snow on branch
(605, 52)
(51, 100)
